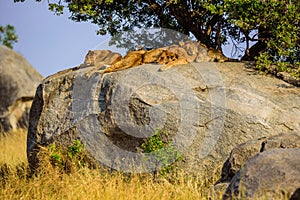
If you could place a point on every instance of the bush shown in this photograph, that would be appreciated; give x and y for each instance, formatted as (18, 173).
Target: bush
(65, 159)
(163, 150)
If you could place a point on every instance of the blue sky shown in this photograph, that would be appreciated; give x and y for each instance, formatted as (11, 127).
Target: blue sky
(50, 43)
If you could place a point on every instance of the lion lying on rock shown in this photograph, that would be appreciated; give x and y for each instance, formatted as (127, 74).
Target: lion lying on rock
(169, 56)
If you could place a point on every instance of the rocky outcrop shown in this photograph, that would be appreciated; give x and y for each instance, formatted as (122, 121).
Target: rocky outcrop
(273, 174)
(207, 109)
(287, 76)
(18, 82)
(99, 58)
(243, 152)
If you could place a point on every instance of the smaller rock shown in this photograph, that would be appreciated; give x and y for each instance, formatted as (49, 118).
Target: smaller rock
(270, 175)
(296, 195)
(98, 58)
(18, 82)
(242, 153)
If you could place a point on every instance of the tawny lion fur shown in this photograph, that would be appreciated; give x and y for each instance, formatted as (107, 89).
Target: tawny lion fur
(169, 56)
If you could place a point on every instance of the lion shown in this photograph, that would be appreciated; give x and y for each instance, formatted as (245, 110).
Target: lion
(135, 58)
(132, 59)
(169, 56)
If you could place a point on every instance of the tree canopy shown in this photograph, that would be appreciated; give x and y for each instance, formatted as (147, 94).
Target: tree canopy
(8, 35)
(272, 26)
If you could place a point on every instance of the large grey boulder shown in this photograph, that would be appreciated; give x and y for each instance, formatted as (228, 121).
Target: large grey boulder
(273, 174)
(18, 83)
(207, 109)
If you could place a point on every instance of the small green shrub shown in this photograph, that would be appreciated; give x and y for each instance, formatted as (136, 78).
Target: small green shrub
(163, 150)
(55, 156)
(67, 158)
(156, 142)
(296, 73)
(263, 62)
(76, 149)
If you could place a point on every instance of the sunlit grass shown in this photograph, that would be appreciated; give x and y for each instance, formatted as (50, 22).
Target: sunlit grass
(16, 182)
(13, 147)
(51, 183)
(93, 185)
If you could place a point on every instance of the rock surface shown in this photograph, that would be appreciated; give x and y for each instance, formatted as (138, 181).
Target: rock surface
(98, 58)
(243, 152)
(272, 174)
(207, 108)
(18, 83)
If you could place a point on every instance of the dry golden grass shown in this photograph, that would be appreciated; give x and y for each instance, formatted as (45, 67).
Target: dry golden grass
(89, 185)
(83, 183)
(13, 147)
(15, 182)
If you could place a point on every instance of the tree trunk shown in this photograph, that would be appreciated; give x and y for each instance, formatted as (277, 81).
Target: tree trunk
(259, 47)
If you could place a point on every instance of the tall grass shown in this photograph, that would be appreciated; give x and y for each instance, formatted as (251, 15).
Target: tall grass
(93, 185)
(13, 147)
(85, 183)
